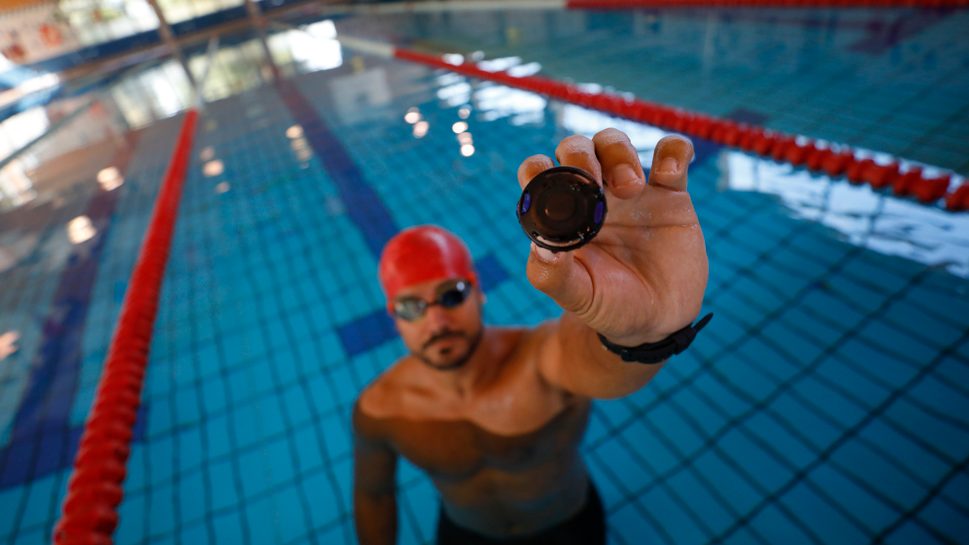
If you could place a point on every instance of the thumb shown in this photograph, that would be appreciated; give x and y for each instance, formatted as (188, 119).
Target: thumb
(561, 277)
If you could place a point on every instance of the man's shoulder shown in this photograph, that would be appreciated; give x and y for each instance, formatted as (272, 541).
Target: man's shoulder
(378, 399)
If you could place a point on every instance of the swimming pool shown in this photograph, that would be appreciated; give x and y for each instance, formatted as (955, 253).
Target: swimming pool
(825, 403)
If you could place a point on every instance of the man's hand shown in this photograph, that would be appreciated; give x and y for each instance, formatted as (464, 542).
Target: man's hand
(643, 276)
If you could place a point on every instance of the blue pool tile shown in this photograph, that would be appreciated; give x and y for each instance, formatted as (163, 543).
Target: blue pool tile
(717, 515)
(905, 346)
(764, 466)
(911, 531)
(260, 377)
(243, 419)
(286, 366)
(940, 396)
(673, 516)
(217, 436)
(344, 480)
(192, 496)
(855, 492)
(186, 406)
(196, 534)
(957, 488)
(951, 439)
(820, 432)
(829, 516)
(228, 527)
(161, 506)
(830, 402)
(904, 450)
(309, 451)
(319, 491)
(630, 524)
(777, 527)
(653, 455)
(784, 439)
(705, 410)
(789, 338)
(730, 404)
(269, 415)
(11, 499)
(872, 469)
(290, 519)
(281, 462)
(933, 328)
(40, 501)
(222, 483)
(162, 452)
(31, 537)
(891, 369)
(747, 381)
(338, 435)
(673, 426)
(132, 526)
(296, 404)
(863, 387)
(941, 515)
(261, 520)
(252, 464)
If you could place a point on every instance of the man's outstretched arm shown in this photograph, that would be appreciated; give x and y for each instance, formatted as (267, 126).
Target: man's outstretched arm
(374, 496)
(640, 280)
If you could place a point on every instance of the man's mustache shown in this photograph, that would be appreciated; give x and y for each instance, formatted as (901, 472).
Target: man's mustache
(442, 335)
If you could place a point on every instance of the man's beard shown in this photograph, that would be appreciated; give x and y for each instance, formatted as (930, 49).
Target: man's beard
(460, 359)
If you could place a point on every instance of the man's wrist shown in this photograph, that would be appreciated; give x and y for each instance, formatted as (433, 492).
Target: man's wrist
(656, 351)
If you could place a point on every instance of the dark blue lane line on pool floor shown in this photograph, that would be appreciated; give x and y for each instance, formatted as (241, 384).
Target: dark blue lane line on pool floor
(42, 441)
(363, 205)
(367, 212)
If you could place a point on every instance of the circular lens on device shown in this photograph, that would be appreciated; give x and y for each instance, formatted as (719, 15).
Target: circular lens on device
(562, 208)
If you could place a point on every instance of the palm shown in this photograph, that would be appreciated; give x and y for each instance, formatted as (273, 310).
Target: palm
(643, 276)
(647, 268)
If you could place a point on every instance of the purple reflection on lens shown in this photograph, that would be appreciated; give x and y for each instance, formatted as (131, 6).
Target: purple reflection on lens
(526, 202)
(600, 208)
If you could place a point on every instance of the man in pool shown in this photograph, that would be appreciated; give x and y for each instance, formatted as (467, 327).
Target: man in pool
(495, 416)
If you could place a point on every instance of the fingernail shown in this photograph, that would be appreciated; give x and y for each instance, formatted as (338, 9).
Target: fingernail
(543, 254)
(624, 175)
(668, 164)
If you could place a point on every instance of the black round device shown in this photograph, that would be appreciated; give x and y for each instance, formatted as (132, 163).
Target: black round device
(562, 208)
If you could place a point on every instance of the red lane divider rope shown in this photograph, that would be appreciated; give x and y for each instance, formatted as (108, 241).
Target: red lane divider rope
(797, 150)
(94, 490)
(628, 4)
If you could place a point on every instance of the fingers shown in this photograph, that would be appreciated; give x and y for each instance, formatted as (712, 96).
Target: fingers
(562, 277)
(531, 167)
(621, 167)
(578, 151)
(671, 158)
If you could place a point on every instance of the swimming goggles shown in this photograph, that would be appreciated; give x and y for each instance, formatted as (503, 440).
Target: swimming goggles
(449, 295)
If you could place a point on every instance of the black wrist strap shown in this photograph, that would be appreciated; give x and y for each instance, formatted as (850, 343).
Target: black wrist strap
(658, 351)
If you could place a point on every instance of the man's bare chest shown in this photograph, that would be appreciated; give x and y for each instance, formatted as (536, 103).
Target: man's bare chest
(457, 449)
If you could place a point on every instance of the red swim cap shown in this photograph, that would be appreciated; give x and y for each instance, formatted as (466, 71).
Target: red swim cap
(421, 254)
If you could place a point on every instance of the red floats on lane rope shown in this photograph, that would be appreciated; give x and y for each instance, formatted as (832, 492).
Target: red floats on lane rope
(94, 489)
(798, 151)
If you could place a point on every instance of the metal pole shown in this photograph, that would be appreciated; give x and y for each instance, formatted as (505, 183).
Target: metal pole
(168, 38)
(259, 22)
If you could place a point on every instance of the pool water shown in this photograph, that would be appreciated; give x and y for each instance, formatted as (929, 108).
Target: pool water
(825, 403)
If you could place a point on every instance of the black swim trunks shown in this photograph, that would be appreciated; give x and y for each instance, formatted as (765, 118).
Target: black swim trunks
(587, 527)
